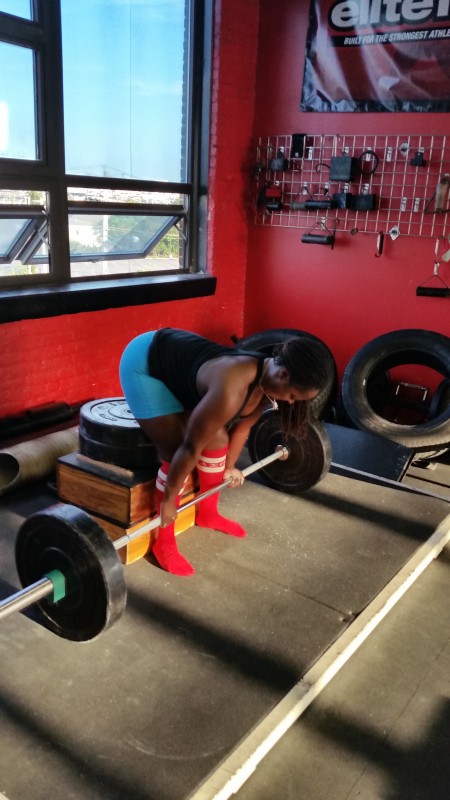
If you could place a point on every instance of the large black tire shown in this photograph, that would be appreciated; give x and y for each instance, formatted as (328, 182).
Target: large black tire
(440, 400)
(265, 342)
(409, 346)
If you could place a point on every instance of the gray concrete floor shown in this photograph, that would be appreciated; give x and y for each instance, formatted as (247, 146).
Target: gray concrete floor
(150, 709)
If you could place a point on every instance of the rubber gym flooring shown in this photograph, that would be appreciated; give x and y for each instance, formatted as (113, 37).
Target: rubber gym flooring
(153, 706)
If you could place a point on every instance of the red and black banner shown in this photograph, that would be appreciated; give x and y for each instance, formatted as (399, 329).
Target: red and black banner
(377, 55)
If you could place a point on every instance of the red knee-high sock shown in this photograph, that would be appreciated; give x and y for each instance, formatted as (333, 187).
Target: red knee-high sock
(210, 468)
(165, 548)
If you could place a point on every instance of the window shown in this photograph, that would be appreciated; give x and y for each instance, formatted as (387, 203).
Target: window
(103, 138)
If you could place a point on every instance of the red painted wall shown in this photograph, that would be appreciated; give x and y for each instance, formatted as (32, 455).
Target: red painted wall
(346, 296)
(73, 358)
(266, 277)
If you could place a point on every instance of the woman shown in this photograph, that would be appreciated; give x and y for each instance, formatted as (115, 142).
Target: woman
(197, 400)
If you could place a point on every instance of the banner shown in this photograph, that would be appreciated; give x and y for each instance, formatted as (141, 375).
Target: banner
(377, 55)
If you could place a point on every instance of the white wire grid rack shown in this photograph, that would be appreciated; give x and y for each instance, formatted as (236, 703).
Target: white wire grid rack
(405, 193)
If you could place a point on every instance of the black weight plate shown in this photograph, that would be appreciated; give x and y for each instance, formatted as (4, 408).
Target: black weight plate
(309, 459)
(121, 455)
(66, 538)
(110, 421)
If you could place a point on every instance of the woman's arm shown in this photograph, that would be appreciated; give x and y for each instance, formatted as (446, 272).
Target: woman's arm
(206, 426)
(238, 438)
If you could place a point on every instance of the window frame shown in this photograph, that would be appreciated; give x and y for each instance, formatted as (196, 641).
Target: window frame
(35, 296)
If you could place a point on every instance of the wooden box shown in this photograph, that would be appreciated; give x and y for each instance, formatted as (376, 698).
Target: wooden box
(120, 500)
(121, 494)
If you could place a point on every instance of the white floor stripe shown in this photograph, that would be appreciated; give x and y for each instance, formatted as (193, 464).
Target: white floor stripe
(237, 768)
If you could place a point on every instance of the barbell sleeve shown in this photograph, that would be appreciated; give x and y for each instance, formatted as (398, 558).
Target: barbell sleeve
(281, 452)
(54, 583)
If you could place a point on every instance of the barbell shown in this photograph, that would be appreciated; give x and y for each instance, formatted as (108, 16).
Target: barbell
(70, 568)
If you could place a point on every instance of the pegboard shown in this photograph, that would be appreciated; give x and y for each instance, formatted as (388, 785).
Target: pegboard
(405, 193)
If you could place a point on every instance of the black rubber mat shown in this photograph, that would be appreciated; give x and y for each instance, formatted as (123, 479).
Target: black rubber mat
(149, 709)
(368, 453)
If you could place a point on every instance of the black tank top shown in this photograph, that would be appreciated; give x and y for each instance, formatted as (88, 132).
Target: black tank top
(175, 356)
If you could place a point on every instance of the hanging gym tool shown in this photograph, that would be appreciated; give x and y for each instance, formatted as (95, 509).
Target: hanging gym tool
(441, 195)
(327, 237)
(380, 244)
(434, 286)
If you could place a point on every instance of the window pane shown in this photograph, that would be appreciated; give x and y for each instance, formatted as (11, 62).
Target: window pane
(9, 231)
(125, 87)
(98, 234)
(17, 103)
(112, 244)
(23, 232)
(19, 8)
(93, 194)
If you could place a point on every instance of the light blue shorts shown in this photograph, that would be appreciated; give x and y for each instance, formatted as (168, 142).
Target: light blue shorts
(147, 397)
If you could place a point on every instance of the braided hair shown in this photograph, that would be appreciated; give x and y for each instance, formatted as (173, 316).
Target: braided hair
(309, 365)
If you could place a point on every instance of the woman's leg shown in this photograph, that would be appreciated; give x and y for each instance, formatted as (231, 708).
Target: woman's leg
(210, 469)
(165, 432)
(165, 548)
(162, 418)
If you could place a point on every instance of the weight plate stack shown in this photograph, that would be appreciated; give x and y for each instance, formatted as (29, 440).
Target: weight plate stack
(108, 432)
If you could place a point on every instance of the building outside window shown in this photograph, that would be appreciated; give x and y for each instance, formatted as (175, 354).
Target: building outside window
(102, 160)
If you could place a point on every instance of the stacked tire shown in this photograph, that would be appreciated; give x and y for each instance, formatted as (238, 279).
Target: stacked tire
(373, 362)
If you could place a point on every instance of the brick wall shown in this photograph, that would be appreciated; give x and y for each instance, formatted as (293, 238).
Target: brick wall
(72, 358)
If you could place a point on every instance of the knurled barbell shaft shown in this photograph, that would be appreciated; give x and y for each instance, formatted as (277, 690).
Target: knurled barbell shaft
(44, 587)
